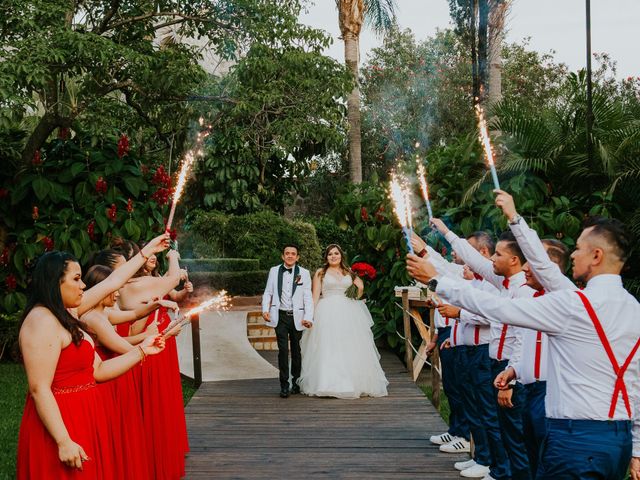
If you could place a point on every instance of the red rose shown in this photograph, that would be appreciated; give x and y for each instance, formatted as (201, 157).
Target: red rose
(48, 244)
(37, 158)
(364, 214)
(129, 206)
(101, 185)
(35, 214)
(123, 146)
(363, 269)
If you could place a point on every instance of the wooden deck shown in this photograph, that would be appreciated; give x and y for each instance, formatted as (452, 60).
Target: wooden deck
(242, 429)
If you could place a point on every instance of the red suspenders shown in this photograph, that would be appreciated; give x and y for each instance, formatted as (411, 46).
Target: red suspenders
(455, 332)
(446, 321)
(620, 387)
(536, 367)
(476, 335)
(503, 336)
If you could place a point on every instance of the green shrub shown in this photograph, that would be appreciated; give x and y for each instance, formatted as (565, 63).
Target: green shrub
(220, 264)
(9, 329)
(262, 236)
(328, 232)
(236, 283)
(204, 236)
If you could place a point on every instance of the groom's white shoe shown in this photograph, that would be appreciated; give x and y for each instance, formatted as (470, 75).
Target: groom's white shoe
(477, 471)
(464, 465)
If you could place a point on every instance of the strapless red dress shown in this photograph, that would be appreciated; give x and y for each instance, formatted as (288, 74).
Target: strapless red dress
(163, 407)
(121, 400)
(84, 416)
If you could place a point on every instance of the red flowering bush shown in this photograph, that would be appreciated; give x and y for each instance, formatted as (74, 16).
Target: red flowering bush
(123, 146)
(363, 269)
(364, 214)
(101, 185)
(48, 243)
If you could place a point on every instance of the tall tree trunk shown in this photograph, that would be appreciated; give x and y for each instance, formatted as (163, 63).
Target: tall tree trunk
(496, 37)
(474, 51)
(351, 52)
(483, 38)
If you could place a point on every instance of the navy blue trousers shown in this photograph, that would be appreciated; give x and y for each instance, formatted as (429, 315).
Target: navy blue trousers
(512, 430)
(534, 422)
(458, 426)
(465, 359)
(585, 449)
(487, 410)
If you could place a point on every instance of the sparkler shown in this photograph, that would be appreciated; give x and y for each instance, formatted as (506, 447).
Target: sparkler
(185, 169)
(402, 209)
(486, 144)
(220, 302)
(425, 189)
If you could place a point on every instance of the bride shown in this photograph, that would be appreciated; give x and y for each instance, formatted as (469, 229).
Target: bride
(339, 357)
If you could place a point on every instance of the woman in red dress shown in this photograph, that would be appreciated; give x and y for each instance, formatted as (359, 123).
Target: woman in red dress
(160, 384)
(121, 396)
(64, 421)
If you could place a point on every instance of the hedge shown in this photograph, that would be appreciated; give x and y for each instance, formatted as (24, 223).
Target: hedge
(220, 264)
(236, 283)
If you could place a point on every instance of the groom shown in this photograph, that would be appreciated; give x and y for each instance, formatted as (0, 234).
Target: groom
(287, 305)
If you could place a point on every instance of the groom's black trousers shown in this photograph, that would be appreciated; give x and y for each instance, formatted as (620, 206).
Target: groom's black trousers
(285, 332)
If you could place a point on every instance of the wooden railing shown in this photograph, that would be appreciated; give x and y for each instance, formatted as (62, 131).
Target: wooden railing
(415, 363)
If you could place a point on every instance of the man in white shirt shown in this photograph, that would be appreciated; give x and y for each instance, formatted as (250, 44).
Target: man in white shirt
(504, 272)
(594, 337)
(471, 336)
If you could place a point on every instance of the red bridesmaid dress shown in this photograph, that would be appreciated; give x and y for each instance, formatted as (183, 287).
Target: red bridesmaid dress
(122, 403)
(81, 407)
(163, 407)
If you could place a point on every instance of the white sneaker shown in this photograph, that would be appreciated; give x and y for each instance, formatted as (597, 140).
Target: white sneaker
(464, 465)
(441, 439)
(488, 477)
(477, 471)
(457, 445)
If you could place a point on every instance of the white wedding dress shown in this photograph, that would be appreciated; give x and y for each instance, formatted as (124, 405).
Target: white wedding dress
(339, 356)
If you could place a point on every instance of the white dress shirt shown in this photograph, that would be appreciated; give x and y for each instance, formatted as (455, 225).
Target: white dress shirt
(581, 379)
(286, 302)
(509, 337)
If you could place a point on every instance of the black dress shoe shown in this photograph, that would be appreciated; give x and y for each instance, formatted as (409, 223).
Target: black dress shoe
(284, 392)
(295, 389)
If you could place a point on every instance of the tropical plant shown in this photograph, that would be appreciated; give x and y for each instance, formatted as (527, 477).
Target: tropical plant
(380, 14)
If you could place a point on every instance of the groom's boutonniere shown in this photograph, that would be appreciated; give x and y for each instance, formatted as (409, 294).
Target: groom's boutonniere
(298, 280)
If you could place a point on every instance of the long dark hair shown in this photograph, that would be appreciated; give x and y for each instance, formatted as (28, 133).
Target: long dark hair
(44, 290)
(344, 266)
(108, 257)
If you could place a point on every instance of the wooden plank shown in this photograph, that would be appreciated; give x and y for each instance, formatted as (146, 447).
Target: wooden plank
(244, 430)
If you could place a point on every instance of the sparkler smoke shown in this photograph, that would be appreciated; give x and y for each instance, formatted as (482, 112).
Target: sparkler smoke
(424, 188)
(221, 301)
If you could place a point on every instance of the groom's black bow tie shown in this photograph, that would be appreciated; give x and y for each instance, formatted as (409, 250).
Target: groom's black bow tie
(285, 269)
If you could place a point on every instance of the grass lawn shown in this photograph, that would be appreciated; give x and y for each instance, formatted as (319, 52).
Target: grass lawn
(13, 385)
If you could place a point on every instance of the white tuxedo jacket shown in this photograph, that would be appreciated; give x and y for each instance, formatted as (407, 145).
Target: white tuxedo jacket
(302, 299)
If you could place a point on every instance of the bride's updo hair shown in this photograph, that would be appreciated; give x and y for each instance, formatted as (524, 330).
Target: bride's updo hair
(346, 270)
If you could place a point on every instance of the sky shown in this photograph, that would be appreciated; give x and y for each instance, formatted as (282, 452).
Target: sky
(557, 25)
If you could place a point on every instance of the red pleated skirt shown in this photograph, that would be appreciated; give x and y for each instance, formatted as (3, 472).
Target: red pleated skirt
(163, 408)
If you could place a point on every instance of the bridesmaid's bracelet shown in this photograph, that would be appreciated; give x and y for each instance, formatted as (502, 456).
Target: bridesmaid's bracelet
(143, 355)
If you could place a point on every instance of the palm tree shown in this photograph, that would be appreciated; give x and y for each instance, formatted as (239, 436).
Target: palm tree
(380, 15)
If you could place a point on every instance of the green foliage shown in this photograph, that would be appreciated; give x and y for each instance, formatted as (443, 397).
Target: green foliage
(205, 232)
(365, 211)
(328, 232)
(236, 283)
(283, 110)
(56, 205)
(220, 264)
(13, 385)
(9, 329)
(262, 235)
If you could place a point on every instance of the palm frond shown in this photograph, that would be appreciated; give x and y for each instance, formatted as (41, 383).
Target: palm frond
(380, 15)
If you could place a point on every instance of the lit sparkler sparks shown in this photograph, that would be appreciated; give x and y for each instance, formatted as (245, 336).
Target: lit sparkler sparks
(486, 144)
(422, 178)
(221, 301)
(402, 208)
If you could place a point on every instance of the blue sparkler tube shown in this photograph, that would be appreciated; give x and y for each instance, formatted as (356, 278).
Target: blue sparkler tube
(407, 235)
(494, 175)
